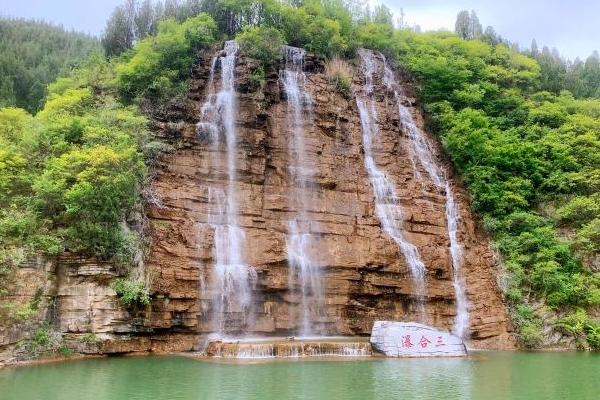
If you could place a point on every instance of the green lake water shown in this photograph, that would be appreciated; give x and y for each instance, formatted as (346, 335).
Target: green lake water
(482, 376)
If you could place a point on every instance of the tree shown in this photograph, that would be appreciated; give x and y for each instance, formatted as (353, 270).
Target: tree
(535, 52)
(383, 15)
(145, 20)
(490, 36)
(33, 54)
(119, 33)
(476, 28)
(261, 43)
(467, 25)
(463, 25)
(591, 73)
(158, 65)
(133, 21)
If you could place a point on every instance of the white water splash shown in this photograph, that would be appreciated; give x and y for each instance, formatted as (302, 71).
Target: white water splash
(295, 349)
(304, 267)
(387, 207)
(232, 279)
(461, 323)
(421, 149)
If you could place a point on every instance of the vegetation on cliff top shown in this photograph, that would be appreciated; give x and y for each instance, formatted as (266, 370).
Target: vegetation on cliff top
(527, 149)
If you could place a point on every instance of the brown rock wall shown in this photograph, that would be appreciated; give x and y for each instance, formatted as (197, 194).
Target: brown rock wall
(364, 276)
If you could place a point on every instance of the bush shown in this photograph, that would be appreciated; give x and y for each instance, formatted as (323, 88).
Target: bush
(261, 43)
(529, 325)
(89, 191)
(339, 74)
(582, 327)
(43, 342)
(14, 313)
(588, 238)
(592, 331)
(579, 210)
(131, 293)
(257, 78)
(156, 66)
(324, 38)
(90, 338)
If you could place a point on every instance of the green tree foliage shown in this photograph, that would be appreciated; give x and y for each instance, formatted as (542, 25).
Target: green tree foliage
(529, 159)
(325, 27)
(157, 66)
(71, 173)
(33, 54)
(134, 20)
(580, 78)
(261, 43)
(467, 25)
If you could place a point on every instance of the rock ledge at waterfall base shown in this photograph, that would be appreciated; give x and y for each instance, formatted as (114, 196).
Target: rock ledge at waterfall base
(410, 339)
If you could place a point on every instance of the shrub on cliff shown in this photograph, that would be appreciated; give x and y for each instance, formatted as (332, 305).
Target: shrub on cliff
(158, 65)
(339, 74)
(261, 43)
(131, 293)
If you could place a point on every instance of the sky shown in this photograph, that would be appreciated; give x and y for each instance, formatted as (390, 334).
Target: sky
(572, 26)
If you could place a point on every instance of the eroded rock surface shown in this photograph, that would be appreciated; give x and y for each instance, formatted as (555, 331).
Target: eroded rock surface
(364, 276)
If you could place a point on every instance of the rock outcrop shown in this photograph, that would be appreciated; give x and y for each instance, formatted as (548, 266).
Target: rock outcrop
(409, 339)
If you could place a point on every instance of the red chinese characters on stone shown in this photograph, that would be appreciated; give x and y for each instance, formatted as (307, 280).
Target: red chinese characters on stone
(406, 343)
(424, 342)
(440, 342)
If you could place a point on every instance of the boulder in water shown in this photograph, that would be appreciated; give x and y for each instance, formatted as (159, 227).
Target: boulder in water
(410, 339)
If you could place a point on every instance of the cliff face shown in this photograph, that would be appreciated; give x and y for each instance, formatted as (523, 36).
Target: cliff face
(362, 272)
(364, 276)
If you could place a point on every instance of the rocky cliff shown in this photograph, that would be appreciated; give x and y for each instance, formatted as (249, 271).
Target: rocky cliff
(364, 277)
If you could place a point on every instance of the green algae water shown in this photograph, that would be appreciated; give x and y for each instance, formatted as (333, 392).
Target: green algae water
(481, 376)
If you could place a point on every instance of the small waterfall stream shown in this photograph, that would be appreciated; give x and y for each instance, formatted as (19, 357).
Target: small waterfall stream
(329, 347)
(420, 148)
(303, 264)
(232, 279)
(387, 207)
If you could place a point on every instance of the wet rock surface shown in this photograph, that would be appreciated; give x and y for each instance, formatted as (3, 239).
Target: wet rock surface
(364, 276)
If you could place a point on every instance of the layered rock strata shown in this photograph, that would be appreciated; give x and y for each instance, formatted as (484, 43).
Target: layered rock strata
(364, 277)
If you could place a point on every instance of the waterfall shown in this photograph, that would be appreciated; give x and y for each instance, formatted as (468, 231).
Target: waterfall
(387, 207)
(232, 279)
(300, 241)
(461, 323)
(420, 148)
(292, 349)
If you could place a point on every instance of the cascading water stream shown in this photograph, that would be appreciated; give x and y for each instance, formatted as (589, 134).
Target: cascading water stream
(420, 148)
(300, 241)
(231, 279)
(387, 207)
